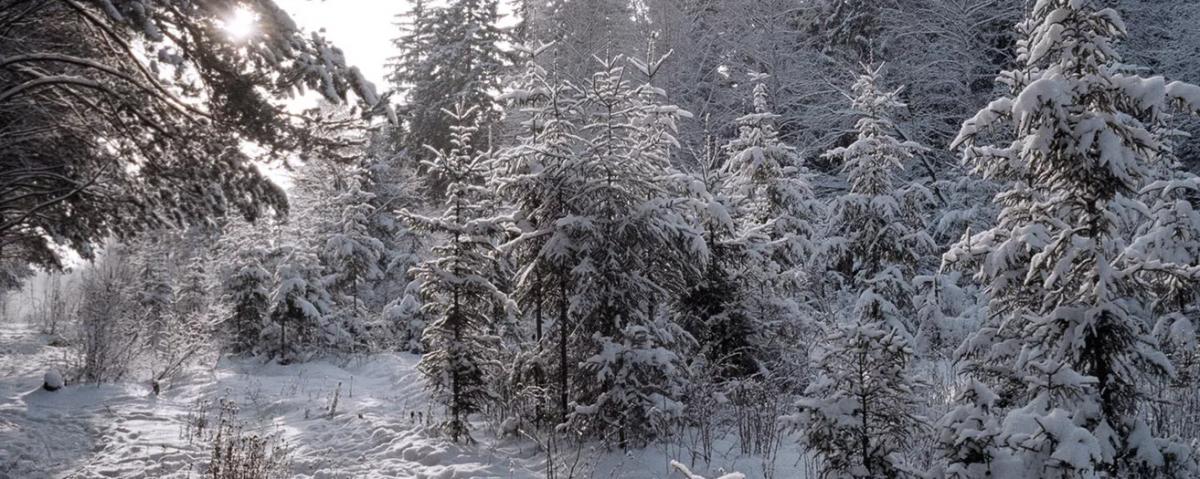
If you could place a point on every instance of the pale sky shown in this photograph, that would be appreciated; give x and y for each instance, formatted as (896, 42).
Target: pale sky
(363, 29)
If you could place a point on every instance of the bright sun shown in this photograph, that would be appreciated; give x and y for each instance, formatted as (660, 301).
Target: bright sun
(241, 24)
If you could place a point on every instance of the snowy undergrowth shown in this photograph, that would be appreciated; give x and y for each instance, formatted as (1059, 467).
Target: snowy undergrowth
(379, 428)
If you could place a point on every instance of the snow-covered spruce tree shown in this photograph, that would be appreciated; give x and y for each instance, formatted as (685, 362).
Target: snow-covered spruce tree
(536, 176)
(635, 250)
(459, 292)
(1066, 345)
(451, 54)
(755, 208)
(155, 290)
(300, 307)
(715, 310)
(405, 320)
(247, 289)
(741, 355)
(773, 198)
(393, 184)
(770, 182)
(351, 253)
(876, 234)
(862, 408)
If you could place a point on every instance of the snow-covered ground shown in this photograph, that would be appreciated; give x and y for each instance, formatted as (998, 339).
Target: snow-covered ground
(378, 429)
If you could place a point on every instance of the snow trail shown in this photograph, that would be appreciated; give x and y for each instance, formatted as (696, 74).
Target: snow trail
(380, 427)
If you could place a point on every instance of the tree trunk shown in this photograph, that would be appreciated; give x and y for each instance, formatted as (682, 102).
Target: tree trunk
(562, 344)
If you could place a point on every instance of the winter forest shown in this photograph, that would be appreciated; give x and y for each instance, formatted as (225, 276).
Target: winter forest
(776, 239)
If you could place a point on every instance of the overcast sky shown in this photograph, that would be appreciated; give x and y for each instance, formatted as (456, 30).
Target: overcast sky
(363, 29)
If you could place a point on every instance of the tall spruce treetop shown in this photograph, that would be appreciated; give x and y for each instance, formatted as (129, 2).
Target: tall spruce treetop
(1067, 345)
(533, 174)
(767, 175)
(450, 54)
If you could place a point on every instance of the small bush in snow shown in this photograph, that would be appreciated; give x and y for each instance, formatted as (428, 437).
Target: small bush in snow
(236, 454)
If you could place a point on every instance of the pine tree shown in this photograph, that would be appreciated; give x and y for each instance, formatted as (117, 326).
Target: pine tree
(459, 291)
(1066, 346)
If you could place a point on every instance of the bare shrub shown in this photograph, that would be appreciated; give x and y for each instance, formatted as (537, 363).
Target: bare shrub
(757, 407)
(107, 334)
(238, 454)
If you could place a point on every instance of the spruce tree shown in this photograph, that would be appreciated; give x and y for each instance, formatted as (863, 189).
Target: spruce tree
(247, 289)
(861, 410)
(1066, 346)
(876, 234)
(535, 176)
(636, 250)
(715, 311)
(351, 253)
(451, 54)
(459, 292)
(756, 209)
(300, 307)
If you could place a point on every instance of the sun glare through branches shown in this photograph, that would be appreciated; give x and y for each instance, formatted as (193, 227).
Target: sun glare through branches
(241, 24)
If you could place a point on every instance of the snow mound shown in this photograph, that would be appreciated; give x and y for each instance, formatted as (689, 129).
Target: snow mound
(52, 380)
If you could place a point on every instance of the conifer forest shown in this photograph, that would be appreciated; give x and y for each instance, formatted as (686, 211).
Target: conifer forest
(574, 239)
